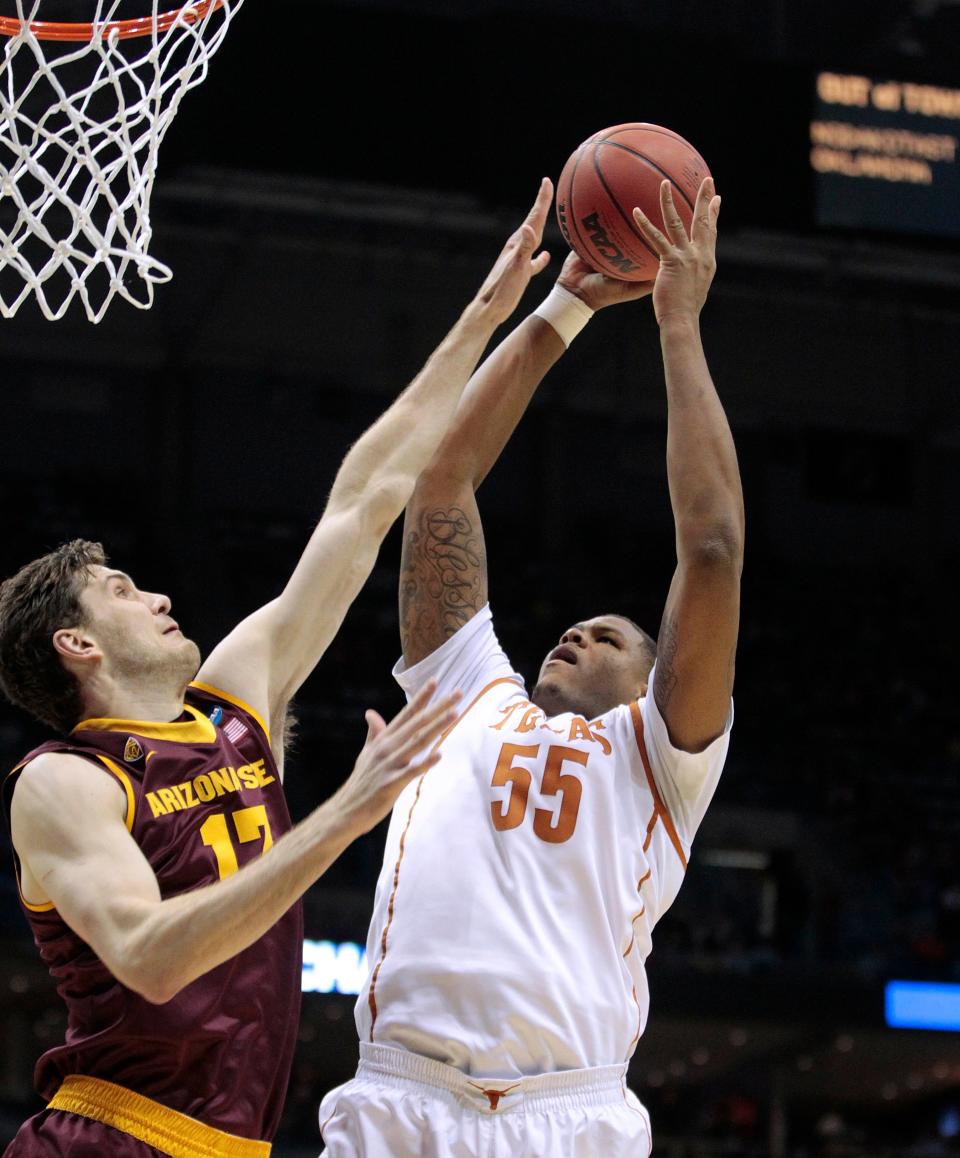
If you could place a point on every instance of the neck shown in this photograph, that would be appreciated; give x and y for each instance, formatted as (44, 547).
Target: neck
(555, 703)
(161, 705)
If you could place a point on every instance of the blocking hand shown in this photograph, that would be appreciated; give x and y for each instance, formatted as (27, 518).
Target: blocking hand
(516, 265)
(393, 755)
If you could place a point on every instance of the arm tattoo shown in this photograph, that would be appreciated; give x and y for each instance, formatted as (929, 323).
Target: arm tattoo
(666, 680)
(443, 578)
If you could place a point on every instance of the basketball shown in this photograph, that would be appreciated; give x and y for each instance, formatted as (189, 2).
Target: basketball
(606, 177)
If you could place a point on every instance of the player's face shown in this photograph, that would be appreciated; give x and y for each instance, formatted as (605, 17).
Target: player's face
(134, 630)
(597, 664)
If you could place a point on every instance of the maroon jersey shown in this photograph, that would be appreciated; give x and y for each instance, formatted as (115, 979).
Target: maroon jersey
(203, 799)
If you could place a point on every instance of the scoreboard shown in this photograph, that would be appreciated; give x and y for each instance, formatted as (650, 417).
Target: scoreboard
(884, 155)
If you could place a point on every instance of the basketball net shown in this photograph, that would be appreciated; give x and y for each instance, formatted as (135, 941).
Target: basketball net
(83, 110)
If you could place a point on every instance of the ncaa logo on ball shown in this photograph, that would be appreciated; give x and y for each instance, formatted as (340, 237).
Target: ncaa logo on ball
(607, 248)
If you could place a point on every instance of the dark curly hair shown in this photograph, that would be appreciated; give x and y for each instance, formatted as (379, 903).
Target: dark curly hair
(41, 598)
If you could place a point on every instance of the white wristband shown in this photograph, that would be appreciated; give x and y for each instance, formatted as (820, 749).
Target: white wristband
(565, 312)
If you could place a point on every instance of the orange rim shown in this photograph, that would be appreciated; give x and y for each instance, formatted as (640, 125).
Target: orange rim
(123, 29)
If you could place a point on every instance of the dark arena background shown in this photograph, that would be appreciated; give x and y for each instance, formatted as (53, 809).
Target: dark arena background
(329, 199)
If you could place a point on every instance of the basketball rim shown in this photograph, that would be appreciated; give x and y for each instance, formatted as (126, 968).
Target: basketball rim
(121, 29)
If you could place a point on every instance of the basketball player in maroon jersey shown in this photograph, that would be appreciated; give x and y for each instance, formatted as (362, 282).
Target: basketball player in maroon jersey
(138, 835)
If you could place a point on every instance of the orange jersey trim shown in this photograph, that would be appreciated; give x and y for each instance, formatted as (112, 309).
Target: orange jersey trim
(636, 1036)
(371, 999)
(658, 805)
(650, 827)
(330, 1118)
(633, 1109)
(236, 701)
(152, 1123)
(637, 916)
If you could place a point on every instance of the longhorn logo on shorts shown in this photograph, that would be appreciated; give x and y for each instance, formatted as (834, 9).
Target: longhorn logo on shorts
(494, 1096)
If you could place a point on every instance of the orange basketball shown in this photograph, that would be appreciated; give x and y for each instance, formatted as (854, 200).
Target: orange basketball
(606, 177)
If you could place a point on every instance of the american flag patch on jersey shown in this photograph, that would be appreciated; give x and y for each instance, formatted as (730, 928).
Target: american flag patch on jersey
(234, 730)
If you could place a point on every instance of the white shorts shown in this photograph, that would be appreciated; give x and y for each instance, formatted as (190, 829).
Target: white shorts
(402, 1105)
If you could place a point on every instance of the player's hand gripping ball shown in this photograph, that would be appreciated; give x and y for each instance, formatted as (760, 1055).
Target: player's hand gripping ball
(606, 177)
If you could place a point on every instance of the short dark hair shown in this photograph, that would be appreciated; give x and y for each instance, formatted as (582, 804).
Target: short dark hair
(41, 598)
(648, 643)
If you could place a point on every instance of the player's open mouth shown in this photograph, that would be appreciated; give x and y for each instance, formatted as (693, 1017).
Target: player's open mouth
(564, 653)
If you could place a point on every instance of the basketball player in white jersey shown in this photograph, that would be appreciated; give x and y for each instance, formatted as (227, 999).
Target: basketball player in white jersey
(524, 875)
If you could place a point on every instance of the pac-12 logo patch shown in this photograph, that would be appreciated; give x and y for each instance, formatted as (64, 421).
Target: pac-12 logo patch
(132, 751)
(216, 715)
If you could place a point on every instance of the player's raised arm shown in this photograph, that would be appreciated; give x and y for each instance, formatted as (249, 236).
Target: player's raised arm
(84, 860)
(266, 658)
(443, 576)
(698, 634)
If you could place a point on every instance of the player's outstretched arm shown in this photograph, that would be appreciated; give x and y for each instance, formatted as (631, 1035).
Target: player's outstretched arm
(698, 634)
(83, 859)
(271, 653)
(443, 579)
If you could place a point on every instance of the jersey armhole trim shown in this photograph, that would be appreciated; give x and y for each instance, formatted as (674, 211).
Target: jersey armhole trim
(659, 806)
(47, 908)
(237, 703)
(125, 784)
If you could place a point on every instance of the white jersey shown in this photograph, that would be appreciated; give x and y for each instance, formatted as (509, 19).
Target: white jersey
(523, 875)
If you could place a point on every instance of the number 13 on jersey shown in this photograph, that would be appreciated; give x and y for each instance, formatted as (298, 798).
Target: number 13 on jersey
(552, 827)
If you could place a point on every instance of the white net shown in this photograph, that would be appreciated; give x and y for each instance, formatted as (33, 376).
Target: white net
(80, 126)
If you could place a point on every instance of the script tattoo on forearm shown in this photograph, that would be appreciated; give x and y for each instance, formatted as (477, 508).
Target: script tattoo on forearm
(666, 680)
(442, 577)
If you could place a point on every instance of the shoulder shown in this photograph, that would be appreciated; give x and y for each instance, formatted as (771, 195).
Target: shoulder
(478, 630)
(54, 767)
(470, 658)
(60, 783)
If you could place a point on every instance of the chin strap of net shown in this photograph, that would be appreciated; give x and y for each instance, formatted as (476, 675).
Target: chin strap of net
(78, 160)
